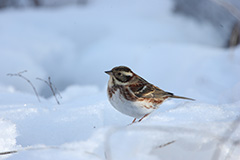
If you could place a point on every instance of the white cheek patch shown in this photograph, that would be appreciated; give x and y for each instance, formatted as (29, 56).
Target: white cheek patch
(128, 74)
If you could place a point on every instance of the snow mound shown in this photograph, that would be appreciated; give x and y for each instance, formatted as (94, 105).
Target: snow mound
(8, 136)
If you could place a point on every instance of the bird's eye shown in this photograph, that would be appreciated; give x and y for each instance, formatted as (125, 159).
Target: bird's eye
(119, 74)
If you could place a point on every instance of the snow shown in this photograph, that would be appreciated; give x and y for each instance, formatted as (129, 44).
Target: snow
(8, 136)
(75, 45)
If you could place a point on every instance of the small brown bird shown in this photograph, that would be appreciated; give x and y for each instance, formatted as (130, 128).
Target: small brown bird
(130, 94)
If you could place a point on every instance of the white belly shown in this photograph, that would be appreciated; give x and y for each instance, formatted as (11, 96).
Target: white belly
(134, 109)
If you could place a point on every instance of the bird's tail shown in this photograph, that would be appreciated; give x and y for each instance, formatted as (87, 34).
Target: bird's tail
(173, 96)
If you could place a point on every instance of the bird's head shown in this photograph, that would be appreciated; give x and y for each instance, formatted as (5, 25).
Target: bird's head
(121, 74)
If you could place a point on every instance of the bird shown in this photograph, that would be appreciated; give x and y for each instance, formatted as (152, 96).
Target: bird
(132, 95)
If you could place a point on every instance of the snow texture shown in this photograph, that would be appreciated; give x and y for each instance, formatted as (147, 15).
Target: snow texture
(75, 45)
(222, 14)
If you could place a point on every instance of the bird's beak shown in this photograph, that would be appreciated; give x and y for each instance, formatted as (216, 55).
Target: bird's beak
(109, 72)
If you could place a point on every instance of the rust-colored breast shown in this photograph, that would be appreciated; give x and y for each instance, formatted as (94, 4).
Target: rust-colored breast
(156, 101)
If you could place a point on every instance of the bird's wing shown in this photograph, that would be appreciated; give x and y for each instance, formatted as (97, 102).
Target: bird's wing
(147, 90)
(142, 89)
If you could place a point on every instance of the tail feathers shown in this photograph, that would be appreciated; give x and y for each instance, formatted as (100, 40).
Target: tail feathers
(173, 96)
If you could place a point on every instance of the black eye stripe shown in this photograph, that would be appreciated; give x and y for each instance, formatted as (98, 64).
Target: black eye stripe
(128, 78)
(119, 79)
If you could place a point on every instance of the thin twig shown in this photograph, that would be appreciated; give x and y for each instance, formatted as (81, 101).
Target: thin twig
(19, 74)
(166, 144)
(57, 91)
(52, 87)
(33, 148)
(8, 152)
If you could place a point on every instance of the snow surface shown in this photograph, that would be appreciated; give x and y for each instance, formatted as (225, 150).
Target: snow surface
(75, 45)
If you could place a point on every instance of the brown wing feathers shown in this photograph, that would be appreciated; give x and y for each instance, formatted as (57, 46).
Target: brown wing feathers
(151, 91)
